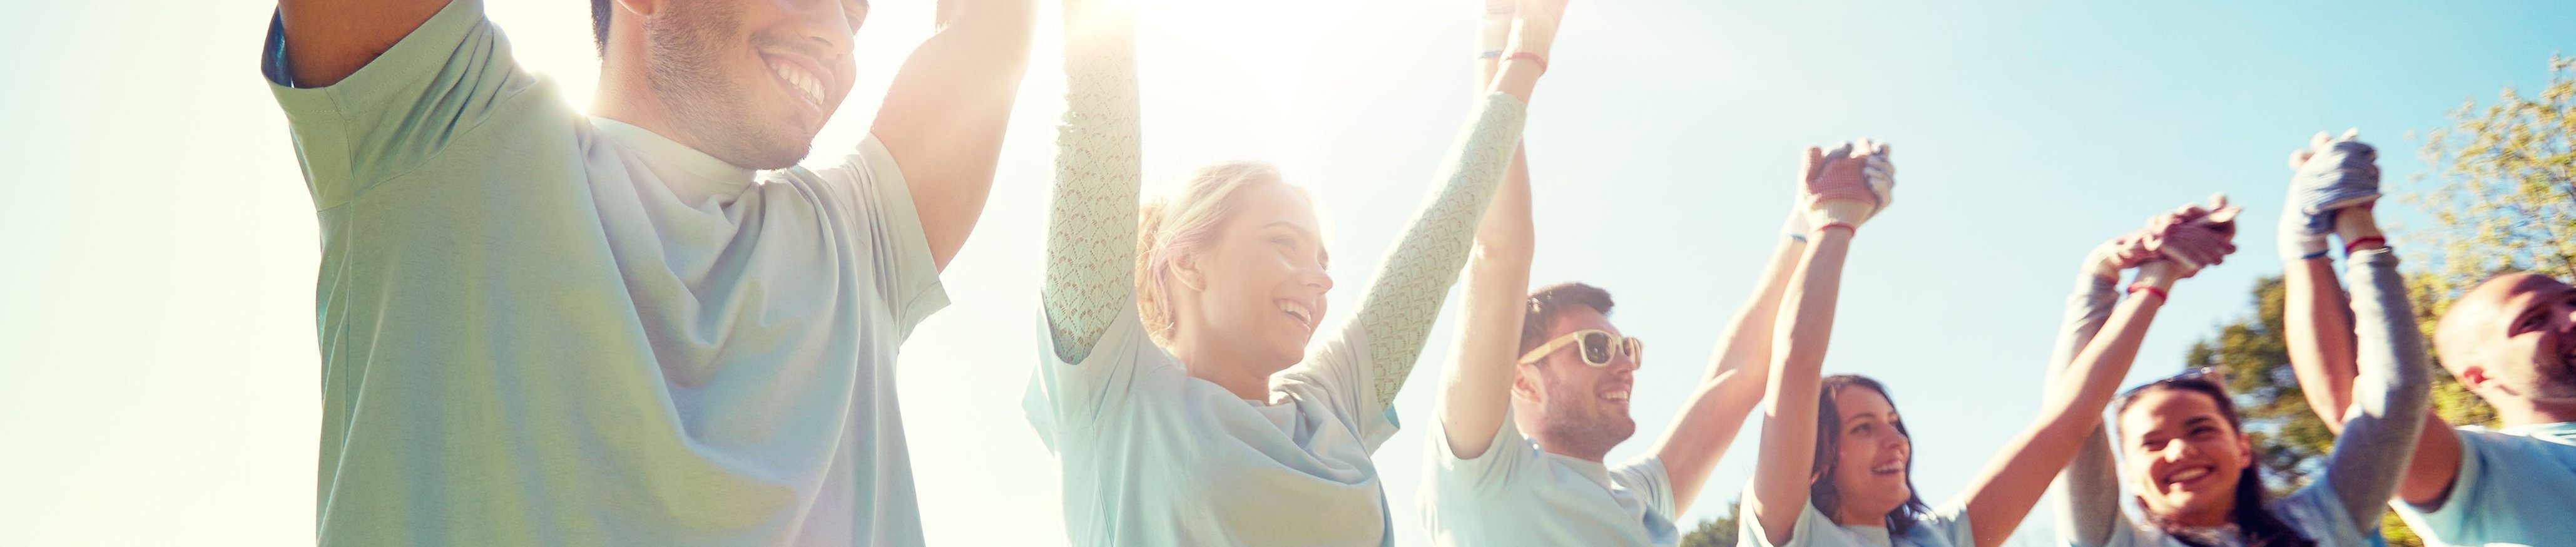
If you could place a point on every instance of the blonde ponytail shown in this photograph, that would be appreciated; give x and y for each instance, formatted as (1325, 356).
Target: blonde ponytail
(1188, 220)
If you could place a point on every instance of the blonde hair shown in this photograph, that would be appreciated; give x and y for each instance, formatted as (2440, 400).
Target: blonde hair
(1189, 219)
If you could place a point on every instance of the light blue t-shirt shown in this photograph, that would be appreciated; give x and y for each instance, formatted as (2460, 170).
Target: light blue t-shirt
(1945, 526)
(1152, 456)
(2313, 511)
(2516, 486)
(1517, 494)
(538, 328)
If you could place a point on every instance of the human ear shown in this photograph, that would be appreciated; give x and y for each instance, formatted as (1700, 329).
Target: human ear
(1185, 270)
(1525, 383)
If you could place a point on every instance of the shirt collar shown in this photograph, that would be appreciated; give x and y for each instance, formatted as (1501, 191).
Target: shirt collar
(2559, 430)
(684, 169)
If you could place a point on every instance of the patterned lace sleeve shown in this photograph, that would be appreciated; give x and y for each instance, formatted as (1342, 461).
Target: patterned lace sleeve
(1099, 173)
(1406, 295)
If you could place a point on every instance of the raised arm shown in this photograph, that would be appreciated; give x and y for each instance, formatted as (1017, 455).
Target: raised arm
(1737, 374)
(2089, 488)
(2071, 407)
(1476, 392)
(1839, 197)
(944, 114)
(1405, 296)
(2321, 318)
(2089, 498)
(327, 40)
(1099, 174)
(2385, 426)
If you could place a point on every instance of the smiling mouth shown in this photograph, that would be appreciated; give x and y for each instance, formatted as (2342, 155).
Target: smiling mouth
(1888, 469)
(805, 85)
(1305, 316)
(1619, 396)
(2187, 476)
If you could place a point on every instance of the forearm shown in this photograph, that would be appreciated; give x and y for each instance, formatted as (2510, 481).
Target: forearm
(1737, 374)
(2319, 335)
(1477, 391)
(944, 115)
(1092, 217)
(2088, 501)
(2391, 391)
(1405, 296)
(2072, 409)
(1789, 419)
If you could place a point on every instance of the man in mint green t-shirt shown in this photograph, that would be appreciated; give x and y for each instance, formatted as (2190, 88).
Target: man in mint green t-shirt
(640, 326)
(2510, 340)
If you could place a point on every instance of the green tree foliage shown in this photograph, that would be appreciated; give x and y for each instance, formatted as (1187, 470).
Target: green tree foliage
(2503, 193)
(1715, 532)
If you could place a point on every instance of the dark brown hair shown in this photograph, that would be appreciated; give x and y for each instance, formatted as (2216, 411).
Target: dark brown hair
(599, 25)
(1547, 302)
(1829, 422)
(2253, 514)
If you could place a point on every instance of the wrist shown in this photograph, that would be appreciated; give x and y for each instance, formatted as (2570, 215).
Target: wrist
(2355, 225)
(2159, 275)
(1532, 37)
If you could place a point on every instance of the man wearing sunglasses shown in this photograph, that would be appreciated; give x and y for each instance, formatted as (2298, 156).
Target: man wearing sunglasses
(2510, 340)
(1516, 458)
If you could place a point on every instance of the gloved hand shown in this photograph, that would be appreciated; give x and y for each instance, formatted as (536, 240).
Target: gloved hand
(2194, 237)
(1847, 185)
(2331, 174)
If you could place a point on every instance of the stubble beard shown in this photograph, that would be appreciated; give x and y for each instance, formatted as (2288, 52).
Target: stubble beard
(686, 70)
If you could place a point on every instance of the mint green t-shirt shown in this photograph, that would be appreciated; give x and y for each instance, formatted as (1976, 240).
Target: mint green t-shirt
(538, 328)
(1518, 494)
(2516, 486)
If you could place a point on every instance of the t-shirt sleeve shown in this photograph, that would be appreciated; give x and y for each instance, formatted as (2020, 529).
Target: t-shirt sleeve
(436, 84)
(2455, 511)
(1811, 523)
(1070, 398)
(1510, 458)
(1646, 477)
(869, 183)
(1337, 372)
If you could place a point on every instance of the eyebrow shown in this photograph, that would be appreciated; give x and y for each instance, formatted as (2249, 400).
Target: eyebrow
(1321, 255)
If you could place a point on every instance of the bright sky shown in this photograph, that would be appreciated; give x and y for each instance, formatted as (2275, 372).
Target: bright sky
(158, 370)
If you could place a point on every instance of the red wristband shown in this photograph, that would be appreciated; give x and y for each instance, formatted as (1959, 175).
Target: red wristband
(2349, 245)
(2150, 289)
(1533, 58)
(1842, 225)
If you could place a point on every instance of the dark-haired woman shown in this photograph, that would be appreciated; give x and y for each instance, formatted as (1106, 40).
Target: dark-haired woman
(2190, 466)
(1836, 460)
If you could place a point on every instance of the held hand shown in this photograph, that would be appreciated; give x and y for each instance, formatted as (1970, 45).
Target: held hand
(1535, 31)
(1494, 27)
(1846, 185)
(2193, 237)
(2120, 253)
(2330, 175)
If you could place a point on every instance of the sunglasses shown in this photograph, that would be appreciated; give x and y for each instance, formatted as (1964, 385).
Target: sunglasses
(1598, 347)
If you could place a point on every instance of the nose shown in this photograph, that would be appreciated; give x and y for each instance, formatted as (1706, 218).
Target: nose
(825, 24)
(1314, 277)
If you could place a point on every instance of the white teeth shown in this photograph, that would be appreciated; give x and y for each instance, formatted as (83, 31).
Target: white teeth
(1887, 469)
(2186, 475)
(1299, 310)
(804, 83)
(1615, 395)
